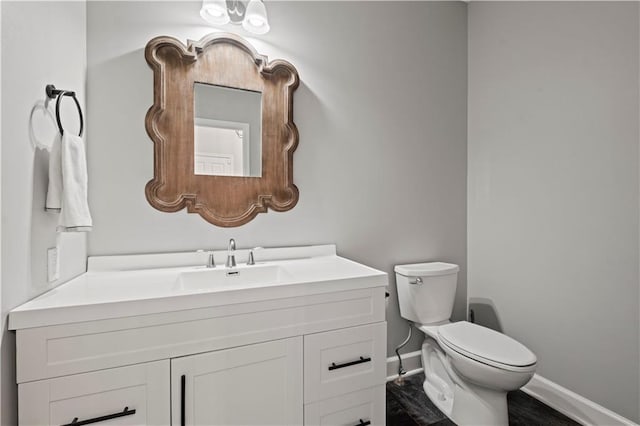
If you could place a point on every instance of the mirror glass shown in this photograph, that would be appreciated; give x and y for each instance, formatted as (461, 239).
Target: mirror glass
(227, 131)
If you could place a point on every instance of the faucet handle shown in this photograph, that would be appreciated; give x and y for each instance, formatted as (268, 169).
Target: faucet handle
(211, 263)
(251, 260)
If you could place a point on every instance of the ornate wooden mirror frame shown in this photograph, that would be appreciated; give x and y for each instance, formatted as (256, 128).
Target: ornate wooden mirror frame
(224, 60)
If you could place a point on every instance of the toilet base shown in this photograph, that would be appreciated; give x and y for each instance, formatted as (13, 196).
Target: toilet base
(479, 406)
(463, 402)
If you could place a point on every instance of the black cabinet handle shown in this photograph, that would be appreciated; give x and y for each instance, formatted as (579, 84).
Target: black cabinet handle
(363, 423)
(183, 383)
(125, 412)
(335, 366)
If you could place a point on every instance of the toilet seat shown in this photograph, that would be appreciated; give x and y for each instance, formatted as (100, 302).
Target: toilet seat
(486, 346)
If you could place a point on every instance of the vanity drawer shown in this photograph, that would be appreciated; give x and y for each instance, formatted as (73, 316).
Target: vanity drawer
(99, 397)
(352, 409)
(341, 361)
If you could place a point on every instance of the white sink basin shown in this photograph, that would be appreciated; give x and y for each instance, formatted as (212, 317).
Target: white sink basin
(231, 278)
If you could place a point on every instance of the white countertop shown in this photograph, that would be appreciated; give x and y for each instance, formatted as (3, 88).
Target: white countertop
(105, 292)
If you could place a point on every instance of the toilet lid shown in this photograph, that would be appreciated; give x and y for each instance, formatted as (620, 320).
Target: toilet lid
(485, 345)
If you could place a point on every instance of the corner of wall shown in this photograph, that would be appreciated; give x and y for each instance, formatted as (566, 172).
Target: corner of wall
(638, 111)
(2, 420)
(27, 231)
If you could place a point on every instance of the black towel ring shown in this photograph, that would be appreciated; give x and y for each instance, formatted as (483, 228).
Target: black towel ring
(73, 95)
(52, 92)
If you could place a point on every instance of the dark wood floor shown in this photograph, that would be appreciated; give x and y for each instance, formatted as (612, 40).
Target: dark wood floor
(408, 405)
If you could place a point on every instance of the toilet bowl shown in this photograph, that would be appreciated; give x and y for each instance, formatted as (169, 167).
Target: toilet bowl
(468, 368)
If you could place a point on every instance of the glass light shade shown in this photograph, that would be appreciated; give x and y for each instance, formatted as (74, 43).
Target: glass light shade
(255, 18)
(215, 12)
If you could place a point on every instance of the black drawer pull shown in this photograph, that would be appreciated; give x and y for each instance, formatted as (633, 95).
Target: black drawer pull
(335, 366)
(125, 412)
(183, 383)
(363, 423)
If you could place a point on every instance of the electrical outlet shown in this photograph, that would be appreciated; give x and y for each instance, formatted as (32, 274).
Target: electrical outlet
(53, 272)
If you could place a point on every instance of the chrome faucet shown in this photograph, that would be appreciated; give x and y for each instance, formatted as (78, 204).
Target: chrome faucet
(231, 257)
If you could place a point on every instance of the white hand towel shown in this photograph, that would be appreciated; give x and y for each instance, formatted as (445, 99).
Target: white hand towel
(54, 192)
(75, 215)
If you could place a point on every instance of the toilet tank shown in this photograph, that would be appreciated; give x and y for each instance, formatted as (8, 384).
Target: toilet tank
(426, 291)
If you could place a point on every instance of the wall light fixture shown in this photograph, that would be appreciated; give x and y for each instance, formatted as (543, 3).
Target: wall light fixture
(251, 14)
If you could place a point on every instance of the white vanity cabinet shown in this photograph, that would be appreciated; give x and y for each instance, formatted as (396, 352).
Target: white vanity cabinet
(301, 352)
(278, 362)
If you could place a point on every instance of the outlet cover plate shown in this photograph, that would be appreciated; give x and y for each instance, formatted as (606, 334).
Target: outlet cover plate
(53, 269)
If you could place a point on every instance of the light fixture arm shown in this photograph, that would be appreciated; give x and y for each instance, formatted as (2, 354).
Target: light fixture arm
(236, 10)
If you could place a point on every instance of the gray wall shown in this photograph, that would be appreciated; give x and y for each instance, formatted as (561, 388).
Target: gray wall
(553, 187)
(381, 111)
(42, 42)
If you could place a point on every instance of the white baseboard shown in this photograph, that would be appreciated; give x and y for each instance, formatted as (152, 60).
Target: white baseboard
(573, 405)
(411, 362)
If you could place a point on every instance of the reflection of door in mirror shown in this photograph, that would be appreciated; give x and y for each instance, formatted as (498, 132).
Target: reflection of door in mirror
(222, 148)
(227, 131)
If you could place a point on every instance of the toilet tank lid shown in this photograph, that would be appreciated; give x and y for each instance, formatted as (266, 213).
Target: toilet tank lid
(426, 269)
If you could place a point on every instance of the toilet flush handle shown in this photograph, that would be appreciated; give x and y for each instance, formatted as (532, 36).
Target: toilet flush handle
(417, 281)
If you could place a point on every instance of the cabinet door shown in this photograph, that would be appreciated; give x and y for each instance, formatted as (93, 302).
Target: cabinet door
(133, 395)
(258, 384)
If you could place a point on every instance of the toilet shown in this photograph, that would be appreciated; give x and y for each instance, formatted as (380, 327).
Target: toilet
(468, 368)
